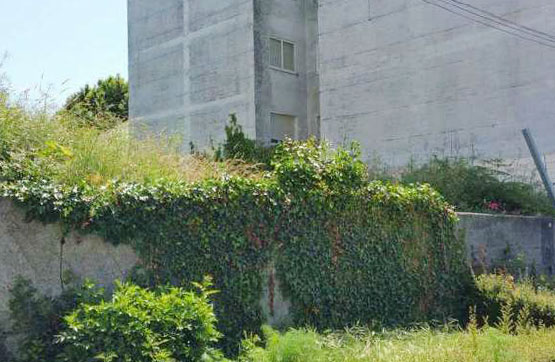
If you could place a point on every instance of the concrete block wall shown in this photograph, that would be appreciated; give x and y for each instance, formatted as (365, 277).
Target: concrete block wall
(408, 79)
(33, 250)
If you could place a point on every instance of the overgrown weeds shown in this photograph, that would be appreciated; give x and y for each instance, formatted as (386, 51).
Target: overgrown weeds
(39, 145)
(480, 188)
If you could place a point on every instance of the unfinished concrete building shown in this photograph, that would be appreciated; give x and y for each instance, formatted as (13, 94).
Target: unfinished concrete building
(405, 78)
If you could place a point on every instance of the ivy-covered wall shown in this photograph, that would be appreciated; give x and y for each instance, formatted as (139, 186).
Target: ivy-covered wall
(343, 249)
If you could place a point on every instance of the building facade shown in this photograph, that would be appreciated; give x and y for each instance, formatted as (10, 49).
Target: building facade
(405, 78)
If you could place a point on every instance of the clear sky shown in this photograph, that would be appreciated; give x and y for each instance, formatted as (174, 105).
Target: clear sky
(62, 44)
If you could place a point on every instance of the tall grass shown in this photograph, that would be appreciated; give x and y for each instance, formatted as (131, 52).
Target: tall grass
(487, 344)
(59, 147)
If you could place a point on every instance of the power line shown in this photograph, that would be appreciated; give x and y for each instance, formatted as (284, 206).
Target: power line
(499, 20)
(518, 34)
(550, 36)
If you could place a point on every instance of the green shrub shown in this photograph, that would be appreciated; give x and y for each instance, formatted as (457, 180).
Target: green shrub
(238, 146)
(498, 291)
(37, 319)
(475, 188)
(142, 325)
(102, 106)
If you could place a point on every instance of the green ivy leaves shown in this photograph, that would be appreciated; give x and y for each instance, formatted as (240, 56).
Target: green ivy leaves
(346, 250)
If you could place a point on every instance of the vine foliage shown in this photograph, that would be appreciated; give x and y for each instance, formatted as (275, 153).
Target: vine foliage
(345, 250)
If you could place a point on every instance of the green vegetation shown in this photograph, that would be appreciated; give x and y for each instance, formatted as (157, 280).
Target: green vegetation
(498, 291)
(144, 325)
(52, 148)
(140, 325)
(477, 188)
(167, 324)
(238, 146)
(345, 250)
(101, 106)
(477, 345)
(38, 318)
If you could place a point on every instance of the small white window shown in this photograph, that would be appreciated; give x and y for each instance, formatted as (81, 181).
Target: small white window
(282, 54)
(282, 126)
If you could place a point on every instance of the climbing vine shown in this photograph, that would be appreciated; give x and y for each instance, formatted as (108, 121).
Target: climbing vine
(345, 250)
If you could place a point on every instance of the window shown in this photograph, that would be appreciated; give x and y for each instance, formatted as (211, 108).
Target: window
(282, 54)
(282, 126)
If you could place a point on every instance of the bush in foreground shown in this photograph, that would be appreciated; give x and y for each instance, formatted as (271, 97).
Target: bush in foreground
(37, 318)
(140, 325)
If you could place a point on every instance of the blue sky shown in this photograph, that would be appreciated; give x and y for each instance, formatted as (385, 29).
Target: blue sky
(52, 42)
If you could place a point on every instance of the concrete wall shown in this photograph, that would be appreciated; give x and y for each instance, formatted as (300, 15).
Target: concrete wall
(191, 65)
(408, 79)
(494, 238)
(32, 250)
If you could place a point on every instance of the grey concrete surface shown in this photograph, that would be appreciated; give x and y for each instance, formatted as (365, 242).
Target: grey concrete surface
(32, 250)
(491, 239)
(405, 78)
(408, 79)
(193, 62)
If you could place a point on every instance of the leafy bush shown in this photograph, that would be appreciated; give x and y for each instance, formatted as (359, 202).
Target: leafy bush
(142, 325)
(102, 106)
(37, 319)
(498, 291)
(475, 188)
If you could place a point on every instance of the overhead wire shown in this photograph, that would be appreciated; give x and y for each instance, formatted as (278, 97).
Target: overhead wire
(505, 20)
(471, 15)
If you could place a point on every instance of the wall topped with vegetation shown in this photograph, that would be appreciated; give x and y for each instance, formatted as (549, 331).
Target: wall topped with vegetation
(344, 250)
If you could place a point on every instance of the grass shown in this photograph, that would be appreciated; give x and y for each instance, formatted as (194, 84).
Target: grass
(59, 147)
(487, 344)
(513, 321)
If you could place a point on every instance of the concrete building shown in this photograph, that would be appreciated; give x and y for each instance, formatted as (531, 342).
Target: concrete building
(193, 62)
(405, 78)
